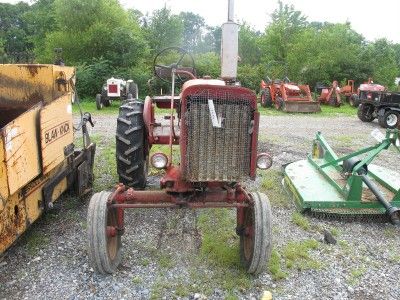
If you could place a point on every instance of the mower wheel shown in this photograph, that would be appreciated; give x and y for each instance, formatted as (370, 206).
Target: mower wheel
(390, 119)
(256, 238)
(104, 240)
(99, 103)
(354, 100)
(131, 151)
(365, 112)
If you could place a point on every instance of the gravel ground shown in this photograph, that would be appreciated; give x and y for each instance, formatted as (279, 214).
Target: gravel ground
(161, 247)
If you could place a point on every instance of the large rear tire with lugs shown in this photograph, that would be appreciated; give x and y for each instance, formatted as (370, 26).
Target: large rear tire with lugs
(104, 241)
(131, 151)
(365, 112)
(354, 100)
(256, 236)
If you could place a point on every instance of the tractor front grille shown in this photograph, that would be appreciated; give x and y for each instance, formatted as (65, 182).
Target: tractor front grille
(218, 154)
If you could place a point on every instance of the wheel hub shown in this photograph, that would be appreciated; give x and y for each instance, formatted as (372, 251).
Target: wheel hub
(391, 120)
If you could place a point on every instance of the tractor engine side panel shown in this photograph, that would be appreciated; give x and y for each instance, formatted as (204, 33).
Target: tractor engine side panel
(221, 149)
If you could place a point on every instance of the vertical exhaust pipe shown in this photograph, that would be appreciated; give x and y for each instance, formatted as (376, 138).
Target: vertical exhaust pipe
(229, 46)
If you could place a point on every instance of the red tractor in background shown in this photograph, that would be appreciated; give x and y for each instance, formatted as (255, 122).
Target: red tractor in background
(215, 123)
(329, 95)
(362, 93)
(287, 96)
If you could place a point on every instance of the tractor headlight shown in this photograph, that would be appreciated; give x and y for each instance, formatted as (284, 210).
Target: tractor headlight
(159, 160)
(264, 161)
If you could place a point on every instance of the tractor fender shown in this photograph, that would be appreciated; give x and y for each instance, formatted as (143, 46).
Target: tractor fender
(382, 110)
(148, 118)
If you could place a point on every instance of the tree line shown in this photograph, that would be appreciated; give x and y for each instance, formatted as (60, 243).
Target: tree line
(103, 39)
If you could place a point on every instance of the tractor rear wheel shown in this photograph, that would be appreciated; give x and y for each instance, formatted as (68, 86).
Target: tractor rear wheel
(256, 237)
(390, 119)
(104, 240)
(365, 112)
(133, 90)
(131, 150)
(354, 100)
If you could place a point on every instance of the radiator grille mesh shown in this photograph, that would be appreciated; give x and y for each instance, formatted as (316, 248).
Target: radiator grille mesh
(218, 154)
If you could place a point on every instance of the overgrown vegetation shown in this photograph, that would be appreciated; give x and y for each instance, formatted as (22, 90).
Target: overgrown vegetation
(271, 184)
(103, 39)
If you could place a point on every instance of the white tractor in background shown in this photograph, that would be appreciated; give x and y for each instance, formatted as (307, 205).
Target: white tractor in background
(116, 88)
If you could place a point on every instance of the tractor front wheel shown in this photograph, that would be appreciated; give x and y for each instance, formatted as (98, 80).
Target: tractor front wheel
(279, 103)
(131, 151)
(104, 240)
(365, 112)
(256, 236)
(99, 103)
(266, 99)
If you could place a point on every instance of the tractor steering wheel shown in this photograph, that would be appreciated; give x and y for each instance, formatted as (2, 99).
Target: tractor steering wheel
(181, 61)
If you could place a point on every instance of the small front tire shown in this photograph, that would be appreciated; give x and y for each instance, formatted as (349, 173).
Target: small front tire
(99, 103)
(256, 236)
(104, 240)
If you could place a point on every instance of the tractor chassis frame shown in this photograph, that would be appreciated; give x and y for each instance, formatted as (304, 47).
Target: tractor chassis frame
(219, 197)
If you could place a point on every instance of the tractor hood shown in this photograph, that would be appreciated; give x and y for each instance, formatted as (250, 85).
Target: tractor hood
(372, 87)
(292, 87)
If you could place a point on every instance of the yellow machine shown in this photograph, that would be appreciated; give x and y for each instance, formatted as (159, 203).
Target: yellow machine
(38, 159)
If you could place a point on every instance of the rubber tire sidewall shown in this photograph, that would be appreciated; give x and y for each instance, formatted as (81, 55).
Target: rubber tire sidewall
(97, 235)
(131, 148)
(361, 113)
(386, 114)
(99, 103)
(262, 235)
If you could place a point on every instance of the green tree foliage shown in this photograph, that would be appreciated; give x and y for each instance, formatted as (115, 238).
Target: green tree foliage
(286, 24)
(13, 29)
(249, 45)
(193, 27)
(103, 39)
(93, 29)
(164, 30)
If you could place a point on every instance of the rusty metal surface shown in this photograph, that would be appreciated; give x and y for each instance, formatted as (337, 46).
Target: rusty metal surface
(221, 154)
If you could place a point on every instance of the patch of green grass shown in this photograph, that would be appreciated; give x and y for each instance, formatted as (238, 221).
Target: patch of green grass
(391, 232)
(165, 261)
(297, 256)
(231, 296)
(182, 290)
(89, 105)
(220, 244)
(145, 262)
(137, 280)
(274, 266)
(356, 274)
(35, 240)
(326, 111)
(105, 168)
(219, 249)
(334, 231)
(271, 184)
(344, 140)
(301, 221)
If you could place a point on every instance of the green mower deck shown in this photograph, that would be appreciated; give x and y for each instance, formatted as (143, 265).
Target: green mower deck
(310, 189)
(328, 184)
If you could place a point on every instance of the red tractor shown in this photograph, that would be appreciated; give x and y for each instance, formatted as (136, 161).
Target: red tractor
(215, 123)
(329, 95)
(355, 96)
(287, 96)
